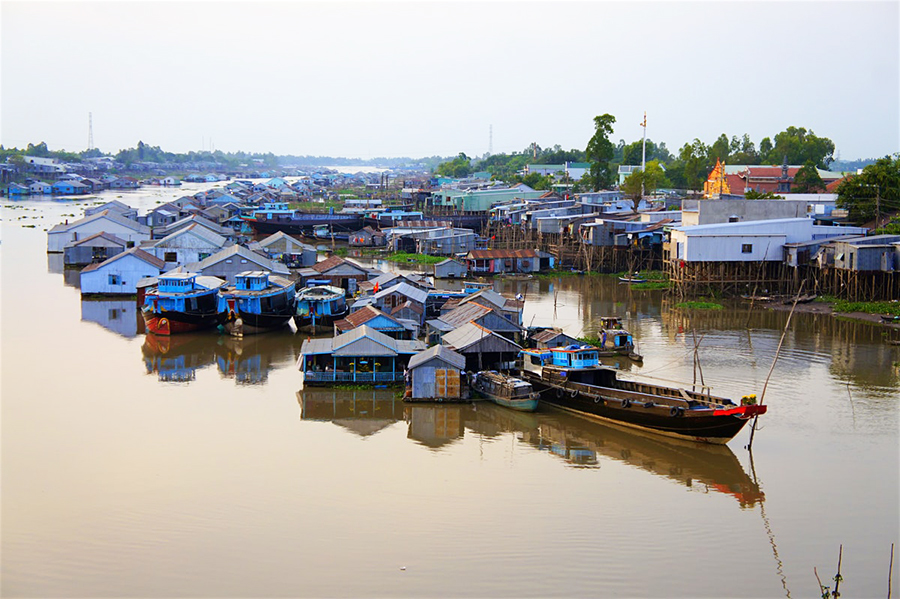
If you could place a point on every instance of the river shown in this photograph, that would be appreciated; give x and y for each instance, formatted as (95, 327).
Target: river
(196, 467)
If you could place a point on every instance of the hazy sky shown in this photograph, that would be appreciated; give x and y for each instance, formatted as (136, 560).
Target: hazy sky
(423, 78)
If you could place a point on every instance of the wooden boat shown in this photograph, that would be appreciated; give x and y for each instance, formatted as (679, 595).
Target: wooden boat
(573, 379)
(316, 308)
(504, 390)
(181, 302)
(615, 340)
(890, 318)
(803, 299)
(632, 280)
(257, 302)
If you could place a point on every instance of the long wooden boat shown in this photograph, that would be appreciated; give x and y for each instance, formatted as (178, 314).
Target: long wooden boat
(573, 379)
(277, 216)
(506, 391)
(180, 303)
(257, 302)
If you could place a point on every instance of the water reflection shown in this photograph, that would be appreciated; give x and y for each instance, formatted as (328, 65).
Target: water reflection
(119, 316)
(362, 412)
(579, 442)
(177, 358)
(582, 442)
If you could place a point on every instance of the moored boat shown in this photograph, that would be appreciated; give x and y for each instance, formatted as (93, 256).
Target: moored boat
(505, 390)
(181, 302)
(615, 340)
(318, 307)
(573, 379)
(258, 301)
(277, 216)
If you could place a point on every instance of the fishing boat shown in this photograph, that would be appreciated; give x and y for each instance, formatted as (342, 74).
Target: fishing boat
(181, 302)
(258, 301)
(316, 308)
(632, 279)
(278, 216)
(507, 391)
(572, 378)
(615, 340)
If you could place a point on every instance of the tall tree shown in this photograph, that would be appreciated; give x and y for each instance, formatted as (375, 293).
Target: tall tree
(647, 181)
(800, 145)
(600, 151)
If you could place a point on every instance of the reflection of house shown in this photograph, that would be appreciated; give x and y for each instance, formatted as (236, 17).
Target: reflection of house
(119, 275)
(118, 316)
(362, 355)
(436, 426)
(361, 411)
(435, 374)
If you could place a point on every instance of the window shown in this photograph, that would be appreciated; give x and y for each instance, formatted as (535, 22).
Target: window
(114, 279)
(747, 248)
(171, 257)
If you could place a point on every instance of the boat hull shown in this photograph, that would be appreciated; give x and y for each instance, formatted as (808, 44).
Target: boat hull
(173, 323)
(717, 426)
(245, 323)
(305, 224)
(317, 324)
(522, 405)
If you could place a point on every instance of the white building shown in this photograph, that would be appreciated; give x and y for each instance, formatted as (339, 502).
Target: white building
(119, 275)
(102, 222)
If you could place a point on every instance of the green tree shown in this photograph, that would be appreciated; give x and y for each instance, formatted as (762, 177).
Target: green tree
(457, 168)
(631, 153)
(807, 180)
(799, 146)
(691, 173)
(600, 151)
(720, 149)
(875, 190)
(752, 194)
(647, 181)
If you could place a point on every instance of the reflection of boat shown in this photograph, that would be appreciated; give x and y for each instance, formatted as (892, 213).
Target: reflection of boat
(258, 301)
(318, 307)
(583, 442)
(243, 360)
(176, 359)
(572, 378)
(181, 302)
(507, 391)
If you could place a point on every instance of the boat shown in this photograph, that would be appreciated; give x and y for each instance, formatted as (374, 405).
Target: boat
(800, 299)
(327, 232)
(890, 318)
(634, 279)
(317, 307)
(615, 340)
(257, 302)
(505, 390)
(572, 378)
(277, 216)
(181, 302)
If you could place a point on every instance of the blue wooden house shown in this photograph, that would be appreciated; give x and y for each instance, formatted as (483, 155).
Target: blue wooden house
(362, 355)
(397, 328)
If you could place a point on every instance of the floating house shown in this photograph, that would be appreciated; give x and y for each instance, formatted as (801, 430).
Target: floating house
(397, 328)
(482, 315)
(508, 261)
(114, 207)
(362, 355)
(436, 374)
(284, 248)
(189, 244)
(482, 348)
(552, 338)
(96, 248)
(450, 269)
(229, 262)
(119, 274)
(341, 273)
(106, 221)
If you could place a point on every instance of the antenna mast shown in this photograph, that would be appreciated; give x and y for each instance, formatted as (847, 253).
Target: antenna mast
(643, 156)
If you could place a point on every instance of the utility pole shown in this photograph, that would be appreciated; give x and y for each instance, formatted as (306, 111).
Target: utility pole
(643, 156)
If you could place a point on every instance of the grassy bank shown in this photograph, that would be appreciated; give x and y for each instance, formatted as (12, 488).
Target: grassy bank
(405, 257)
(706, 305)
(891, 308)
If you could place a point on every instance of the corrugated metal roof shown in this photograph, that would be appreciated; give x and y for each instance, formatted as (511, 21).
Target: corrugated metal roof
(136, 252)
(469, 334)
(405, 289)
(465, 313)
(364, 341)
(501, 254)
(440, 352)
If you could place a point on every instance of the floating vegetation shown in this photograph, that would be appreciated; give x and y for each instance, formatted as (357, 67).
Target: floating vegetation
(699, 305)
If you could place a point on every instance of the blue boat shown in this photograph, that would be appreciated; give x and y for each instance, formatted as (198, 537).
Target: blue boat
(257, 302)
(181, 302)
(318, 307)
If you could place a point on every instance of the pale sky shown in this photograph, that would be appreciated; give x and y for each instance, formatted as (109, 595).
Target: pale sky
(423, 78)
